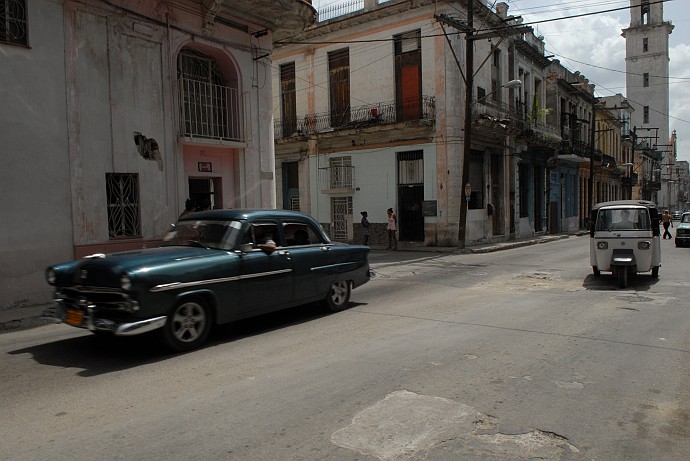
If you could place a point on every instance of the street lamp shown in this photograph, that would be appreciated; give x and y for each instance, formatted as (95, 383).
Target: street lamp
(510, 85)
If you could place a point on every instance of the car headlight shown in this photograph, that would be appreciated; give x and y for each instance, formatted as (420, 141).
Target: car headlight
(50, 276)
(125, 282)
(643, 245)
(602, 245)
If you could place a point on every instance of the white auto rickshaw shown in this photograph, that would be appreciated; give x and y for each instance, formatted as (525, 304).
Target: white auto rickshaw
(624, 239)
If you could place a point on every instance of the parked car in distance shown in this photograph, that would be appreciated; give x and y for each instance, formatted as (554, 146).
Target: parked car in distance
(213, 267)
(675, 215)
(683, 230)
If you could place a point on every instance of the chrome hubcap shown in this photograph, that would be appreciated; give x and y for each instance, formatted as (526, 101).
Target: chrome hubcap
(188, 322)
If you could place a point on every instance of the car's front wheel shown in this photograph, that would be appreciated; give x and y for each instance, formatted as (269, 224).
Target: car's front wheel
(338, 296)
(188, 325)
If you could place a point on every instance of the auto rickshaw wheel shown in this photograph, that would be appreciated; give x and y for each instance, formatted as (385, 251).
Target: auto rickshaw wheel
(622, 276)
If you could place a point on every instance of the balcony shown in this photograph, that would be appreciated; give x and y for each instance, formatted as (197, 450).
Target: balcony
(210, 111)
(337, 179)
(649, 185)
(629, 181)
(501, 119)
(383, 113)
(495, 118)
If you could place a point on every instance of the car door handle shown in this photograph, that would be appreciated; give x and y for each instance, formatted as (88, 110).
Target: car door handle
(283, 252)
(325, 248)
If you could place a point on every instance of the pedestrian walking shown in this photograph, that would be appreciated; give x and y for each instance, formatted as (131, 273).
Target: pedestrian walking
(392, 228)
(667, 221)
(365, 228)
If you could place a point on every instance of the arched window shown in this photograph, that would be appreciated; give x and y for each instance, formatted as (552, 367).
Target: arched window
(209, 108)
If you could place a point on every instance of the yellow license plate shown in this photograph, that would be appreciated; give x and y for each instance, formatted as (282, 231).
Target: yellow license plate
(74, 317)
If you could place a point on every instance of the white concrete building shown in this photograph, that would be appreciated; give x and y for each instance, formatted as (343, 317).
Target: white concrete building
(369, 110)
(114, 112)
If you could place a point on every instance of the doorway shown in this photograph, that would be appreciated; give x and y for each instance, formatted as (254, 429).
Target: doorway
(411, 196)
(206, 190)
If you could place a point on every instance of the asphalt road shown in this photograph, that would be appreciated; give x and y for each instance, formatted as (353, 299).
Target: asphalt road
(518, 354)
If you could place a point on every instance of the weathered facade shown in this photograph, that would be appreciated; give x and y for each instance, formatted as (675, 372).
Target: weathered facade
(119, 110)
(370, 115)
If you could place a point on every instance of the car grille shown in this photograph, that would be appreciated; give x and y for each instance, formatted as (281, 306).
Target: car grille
(683, 232)
(101, 298)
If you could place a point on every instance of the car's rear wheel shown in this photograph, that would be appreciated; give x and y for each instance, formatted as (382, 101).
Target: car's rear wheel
(655, 272)
(338, 296)
(188, 325)
(596, 271)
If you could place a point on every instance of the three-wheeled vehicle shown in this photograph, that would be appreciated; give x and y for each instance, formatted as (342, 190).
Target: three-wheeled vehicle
(624, 239)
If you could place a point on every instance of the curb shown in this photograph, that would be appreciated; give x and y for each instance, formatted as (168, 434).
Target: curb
(22, 318)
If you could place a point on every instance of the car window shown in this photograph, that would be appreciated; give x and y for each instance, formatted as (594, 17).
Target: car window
(204, 233)
(300, 234)
(685, 218)
(259, 233)
(623, 219)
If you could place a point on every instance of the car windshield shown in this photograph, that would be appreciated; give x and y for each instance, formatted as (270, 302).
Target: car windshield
(623, 219)
(204, 233)
(685, 218)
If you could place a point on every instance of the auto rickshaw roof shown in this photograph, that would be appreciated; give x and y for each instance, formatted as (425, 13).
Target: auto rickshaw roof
(625, 203)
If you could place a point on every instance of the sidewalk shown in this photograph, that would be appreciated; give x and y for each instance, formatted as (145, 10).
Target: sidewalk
(21, 318)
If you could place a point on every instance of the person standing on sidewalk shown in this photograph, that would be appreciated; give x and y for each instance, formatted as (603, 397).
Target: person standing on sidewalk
(365, 228)
(667, 222)
(392, 228)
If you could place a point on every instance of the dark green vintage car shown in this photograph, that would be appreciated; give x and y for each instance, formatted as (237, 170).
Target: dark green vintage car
(213, 267)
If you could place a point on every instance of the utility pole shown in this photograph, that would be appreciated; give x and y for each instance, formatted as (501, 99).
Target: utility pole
(467, 27)
(592, 142)
(467, 144)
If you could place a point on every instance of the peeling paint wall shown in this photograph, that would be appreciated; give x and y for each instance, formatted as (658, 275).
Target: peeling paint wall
(94, 76)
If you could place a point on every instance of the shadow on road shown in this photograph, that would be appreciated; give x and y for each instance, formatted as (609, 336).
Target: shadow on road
(98, 354)
(608, 282)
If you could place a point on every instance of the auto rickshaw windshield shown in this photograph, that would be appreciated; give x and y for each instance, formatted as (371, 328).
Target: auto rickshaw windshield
(623, 219)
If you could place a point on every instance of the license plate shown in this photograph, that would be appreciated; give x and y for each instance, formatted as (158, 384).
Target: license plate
(74, 317)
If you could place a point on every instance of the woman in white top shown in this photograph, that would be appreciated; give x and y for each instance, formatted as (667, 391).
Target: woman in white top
(392, 228)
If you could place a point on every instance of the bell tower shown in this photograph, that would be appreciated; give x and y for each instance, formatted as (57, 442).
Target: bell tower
(647, 73)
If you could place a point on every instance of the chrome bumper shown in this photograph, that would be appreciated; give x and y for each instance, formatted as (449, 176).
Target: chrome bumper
(92, 323)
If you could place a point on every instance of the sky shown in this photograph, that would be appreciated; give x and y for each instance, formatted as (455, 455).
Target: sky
(594, 46)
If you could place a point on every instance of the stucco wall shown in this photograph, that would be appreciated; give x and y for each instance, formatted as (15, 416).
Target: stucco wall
(71, 103)
(376, 181)
(36, 228)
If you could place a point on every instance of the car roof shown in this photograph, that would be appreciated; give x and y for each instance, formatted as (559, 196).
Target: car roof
(243, 214)
(624, 203)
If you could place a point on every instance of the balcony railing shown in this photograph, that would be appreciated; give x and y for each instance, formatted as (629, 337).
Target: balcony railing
(337, 178)
(210, 111)
(357, 117)
(517, 121)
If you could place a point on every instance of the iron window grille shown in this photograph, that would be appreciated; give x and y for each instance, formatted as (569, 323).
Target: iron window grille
(208, 107)
(124, 217)
(339, 175)
(13, 22)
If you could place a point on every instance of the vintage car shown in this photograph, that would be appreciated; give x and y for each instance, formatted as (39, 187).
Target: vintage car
(213, 267)
(624, 239)
(683, 230)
